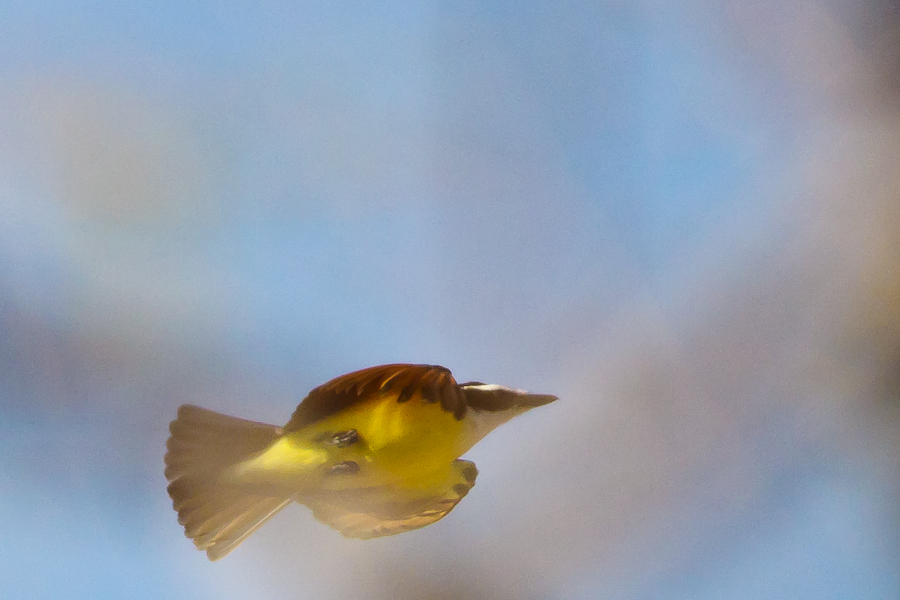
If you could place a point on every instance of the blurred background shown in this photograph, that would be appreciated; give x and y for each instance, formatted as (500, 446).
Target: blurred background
(681, 217)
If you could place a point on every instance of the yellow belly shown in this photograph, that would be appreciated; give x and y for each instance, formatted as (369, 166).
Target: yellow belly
(398, 443)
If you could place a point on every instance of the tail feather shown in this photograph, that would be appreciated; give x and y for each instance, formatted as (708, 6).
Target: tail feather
(205, 441)
(229, 539)
(217, 515)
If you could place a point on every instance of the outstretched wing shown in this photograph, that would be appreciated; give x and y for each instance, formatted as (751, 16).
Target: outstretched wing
(431, 383)
(388, 510)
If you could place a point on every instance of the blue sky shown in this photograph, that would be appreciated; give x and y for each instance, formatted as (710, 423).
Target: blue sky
(228, 205)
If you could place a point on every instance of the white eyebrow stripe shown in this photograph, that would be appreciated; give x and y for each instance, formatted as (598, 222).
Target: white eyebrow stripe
(493, 387)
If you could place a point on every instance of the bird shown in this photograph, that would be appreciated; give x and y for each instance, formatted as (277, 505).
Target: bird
(372, 453)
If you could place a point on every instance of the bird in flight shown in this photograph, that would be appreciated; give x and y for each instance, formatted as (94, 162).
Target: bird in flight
(371, 453)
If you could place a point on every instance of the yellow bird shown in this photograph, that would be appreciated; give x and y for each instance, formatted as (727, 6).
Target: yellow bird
(371, 453)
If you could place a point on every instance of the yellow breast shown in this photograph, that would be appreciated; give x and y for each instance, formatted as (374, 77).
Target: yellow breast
(398, 443)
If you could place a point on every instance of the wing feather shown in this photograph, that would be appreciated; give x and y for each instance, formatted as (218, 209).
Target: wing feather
(430, 382)
(389, 510)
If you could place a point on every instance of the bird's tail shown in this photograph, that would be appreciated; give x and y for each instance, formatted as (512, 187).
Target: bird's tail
(217, 515)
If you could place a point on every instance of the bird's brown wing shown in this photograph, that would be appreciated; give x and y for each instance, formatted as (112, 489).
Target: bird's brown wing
(388, 510)
(430, 383)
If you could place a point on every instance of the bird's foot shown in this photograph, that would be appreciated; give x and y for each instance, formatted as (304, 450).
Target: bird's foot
(341, 439)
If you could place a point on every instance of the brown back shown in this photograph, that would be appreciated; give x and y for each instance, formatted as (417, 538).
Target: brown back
(434, 384)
